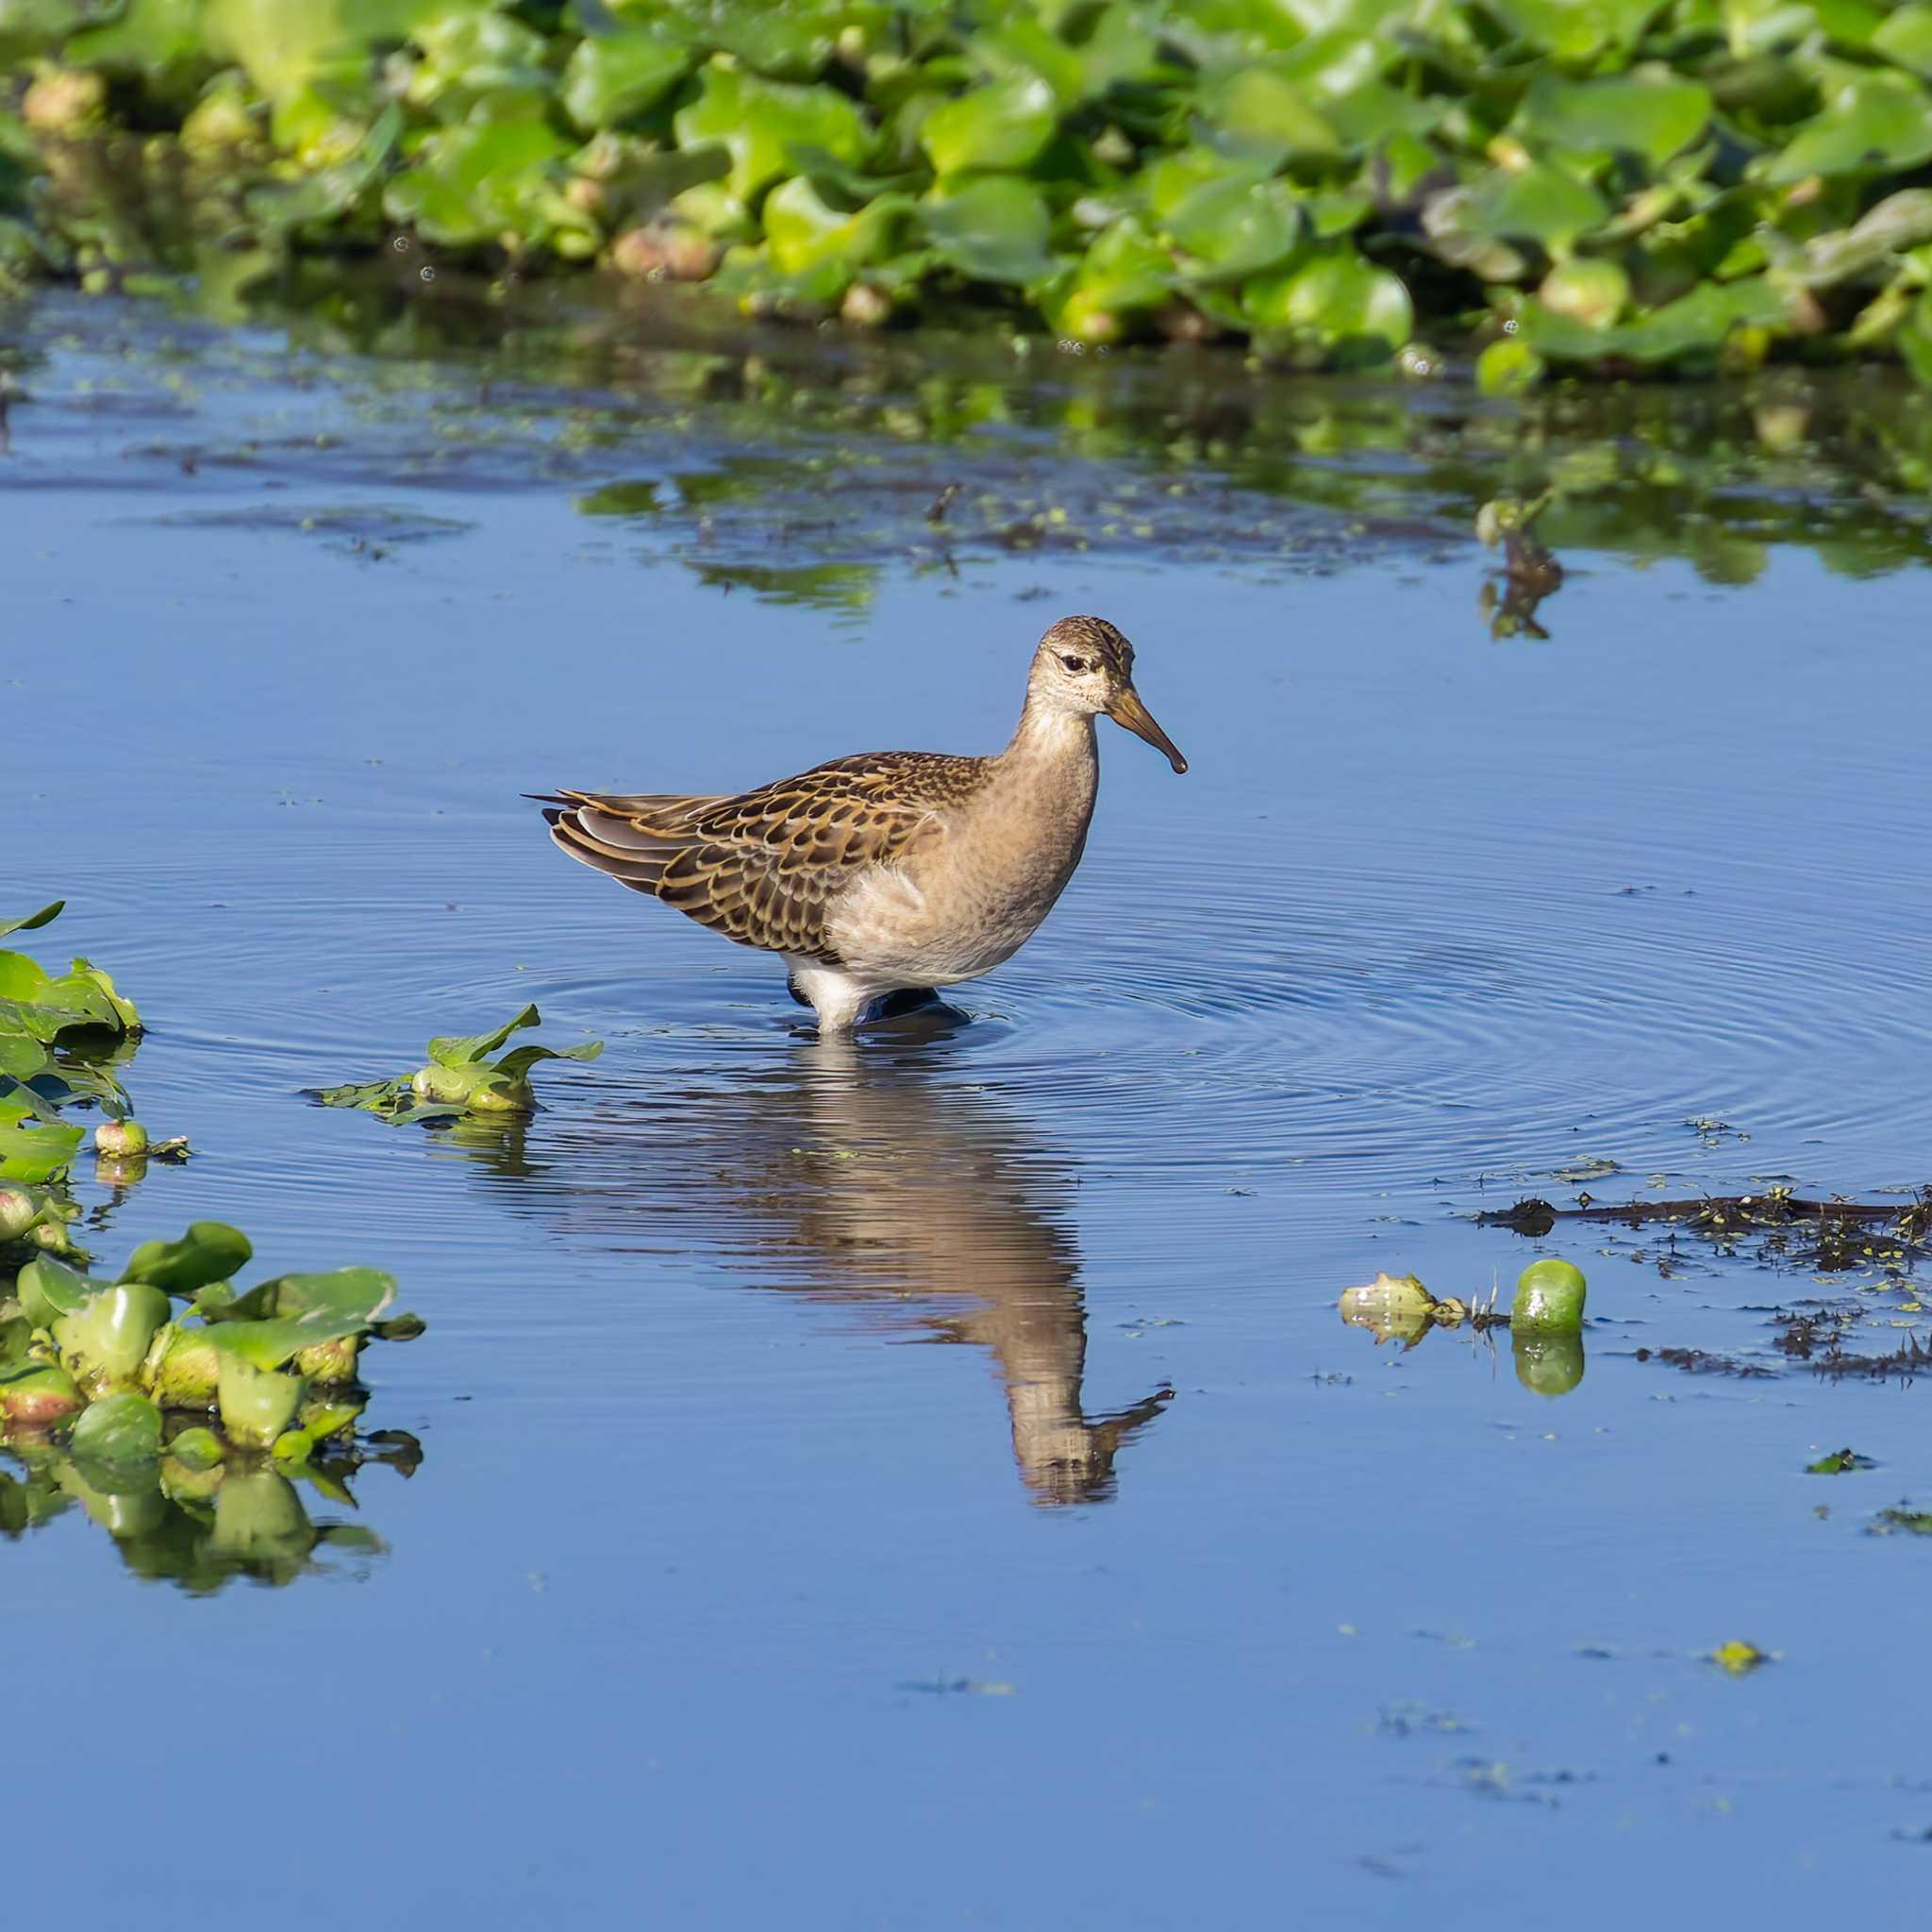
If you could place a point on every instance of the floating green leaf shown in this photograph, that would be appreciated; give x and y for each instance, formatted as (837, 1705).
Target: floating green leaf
(209, 1251)
(613, 77)
(118, 1428)
(1234, 227)
(1877, 121)
(1000, 126)
(991, 230)
(760, 122)
(1336, 299)
(1648, 112)
(33, 920)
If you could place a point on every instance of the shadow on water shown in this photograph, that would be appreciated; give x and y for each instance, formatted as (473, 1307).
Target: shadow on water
(849, 1176)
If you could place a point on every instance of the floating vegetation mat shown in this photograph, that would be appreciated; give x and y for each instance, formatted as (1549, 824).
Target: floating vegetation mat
(1621, 187)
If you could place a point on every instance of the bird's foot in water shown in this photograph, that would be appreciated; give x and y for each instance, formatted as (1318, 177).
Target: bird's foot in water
(890, 1006)
(907, 999)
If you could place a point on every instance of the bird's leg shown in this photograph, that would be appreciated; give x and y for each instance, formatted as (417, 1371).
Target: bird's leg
(905, 999)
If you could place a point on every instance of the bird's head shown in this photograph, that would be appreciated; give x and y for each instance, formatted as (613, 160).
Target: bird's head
(1086, 667)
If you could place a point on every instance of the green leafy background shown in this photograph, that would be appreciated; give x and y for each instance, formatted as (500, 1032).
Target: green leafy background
(1614, 185)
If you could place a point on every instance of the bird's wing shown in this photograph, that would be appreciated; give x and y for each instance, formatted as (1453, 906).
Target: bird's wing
(764, 868)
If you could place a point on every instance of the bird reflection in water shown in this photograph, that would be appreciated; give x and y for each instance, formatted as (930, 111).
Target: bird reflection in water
(848, 1174)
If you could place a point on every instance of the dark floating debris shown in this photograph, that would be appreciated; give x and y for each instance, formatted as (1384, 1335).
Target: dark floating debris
(1823, 1235)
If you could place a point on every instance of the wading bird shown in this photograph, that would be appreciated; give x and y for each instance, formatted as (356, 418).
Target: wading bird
(890, 871)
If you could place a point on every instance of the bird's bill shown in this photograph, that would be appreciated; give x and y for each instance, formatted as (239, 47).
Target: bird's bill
(1130, 711)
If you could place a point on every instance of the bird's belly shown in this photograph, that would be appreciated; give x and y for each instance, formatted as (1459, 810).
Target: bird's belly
(890, 932)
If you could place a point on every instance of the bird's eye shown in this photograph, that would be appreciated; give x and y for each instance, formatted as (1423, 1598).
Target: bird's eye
(1074, 663)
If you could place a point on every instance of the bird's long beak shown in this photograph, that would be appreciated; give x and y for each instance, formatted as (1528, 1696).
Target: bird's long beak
(1130, 711)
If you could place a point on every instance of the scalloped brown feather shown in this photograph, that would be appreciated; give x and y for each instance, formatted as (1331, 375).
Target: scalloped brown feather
(764, 868)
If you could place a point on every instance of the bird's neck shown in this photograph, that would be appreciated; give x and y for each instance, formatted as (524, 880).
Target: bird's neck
(1049, 736)
(1054, 765)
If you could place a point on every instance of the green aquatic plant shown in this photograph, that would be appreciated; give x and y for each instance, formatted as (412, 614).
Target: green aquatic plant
(1549, 1298)
(59, 1037)
(1674, 183)
(276, 1362)
(461, 1078)
(1545, 1321)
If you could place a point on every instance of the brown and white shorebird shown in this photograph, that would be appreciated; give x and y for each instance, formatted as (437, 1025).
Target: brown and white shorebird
(893, 871)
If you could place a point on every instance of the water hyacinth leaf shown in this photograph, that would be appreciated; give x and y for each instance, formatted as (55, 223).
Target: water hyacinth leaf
(374, 1095)
(1168, 180)
(326, 193)
(1573, 32)
(802, 232)
(118, 1428)
(1337, 298)
(479, 64)
(49, 1289)
(1537, 203)
(612, 76)
(1235, 228)
(283, 50)
(1649, 112)
(1587, 291)
(33, 920)
(35, 1152)
(1903, 37)
(1700, 322)
(209, 1251)
(518, 1061)
(104, 1343)
(1881, 121)
(1262, 116)
(22, 1057)
(471, 184)
(257, 1402)
(1900, 222)
(353, 1295)
(1124, 271)
(449, 1050)
(758, 121)
(1000, 127)
(267, 1344)
(1508, 368)
(993, 230)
